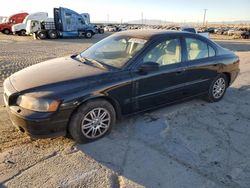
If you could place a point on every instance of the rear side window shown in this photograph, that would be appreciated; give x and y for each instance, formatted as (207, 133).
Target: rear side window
(211, 51)
(198, 49)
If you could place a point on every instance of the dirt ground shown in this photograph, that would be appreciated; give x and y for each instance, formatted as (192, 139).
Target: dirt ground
(192, 144)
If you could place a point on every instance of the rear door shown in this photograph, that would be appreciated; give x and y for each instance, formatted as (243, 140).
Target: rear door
(201, 65)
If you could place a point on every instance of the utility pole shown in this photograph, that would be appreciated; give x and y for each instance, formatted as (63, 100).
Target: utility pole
(108, 18)
(142, 18)
(204, 18)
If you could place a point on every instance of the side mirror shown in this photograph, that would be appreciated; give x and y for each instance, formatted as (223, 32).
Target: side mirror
(74, 55)
(148, 67)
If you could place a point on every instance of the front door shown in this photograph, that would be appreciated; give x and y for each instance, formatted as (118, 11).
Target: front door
(164, 85)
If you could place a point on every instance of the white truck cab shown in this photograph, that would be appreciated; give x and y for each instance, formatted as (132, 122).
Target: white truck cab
(20, 28)
(35, 25)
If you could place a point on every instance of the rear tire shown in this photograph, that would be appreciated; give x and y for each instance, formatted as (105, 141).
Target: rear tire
(42, 35)
(22, 32)
(217, 88)
(88, 34)
(53, 34)
(101, 31)
(6, 31)
(92, 121)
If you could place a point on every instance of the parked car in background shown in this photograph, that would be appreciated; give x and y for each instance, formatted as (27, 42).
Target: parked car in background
(220, 31)
(210, 30)
(99, 28)
(191, 30)
(110, 28)
(20, 28)
(122, 28)
(126, 73)
(234, 31)
(14, 19)
(245, 34)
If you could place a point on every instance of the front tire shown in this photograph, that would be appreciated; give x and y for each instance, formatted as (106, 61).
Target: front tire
(6, 31)
(217, 88)
(88, 34)
(22, 32)
(92, 120)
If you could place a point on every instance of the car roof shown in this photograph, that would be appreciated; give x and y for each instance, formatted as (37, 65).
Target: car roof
(151, 33)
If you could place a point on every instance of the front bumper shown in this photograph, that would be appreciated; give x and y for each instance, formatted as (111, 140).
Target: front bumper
(39, 125)
(35, 124)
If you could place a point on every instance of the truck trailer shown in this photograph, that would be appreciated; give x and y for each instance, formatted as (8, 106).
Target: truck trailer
(65, 24)
(20, 28)
(14, 19)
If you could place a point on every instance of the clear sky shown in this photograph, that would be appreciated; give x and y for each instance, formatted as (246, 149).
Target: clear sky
(169, 10)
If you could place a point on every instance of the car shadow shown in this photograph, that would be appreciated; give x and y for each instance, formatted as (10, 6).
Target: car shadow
(181, 145)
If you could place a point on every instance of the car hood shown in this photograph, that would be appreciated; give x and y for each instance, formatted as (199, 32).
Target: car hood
(18, 26)
(51, 72)
(5, 24)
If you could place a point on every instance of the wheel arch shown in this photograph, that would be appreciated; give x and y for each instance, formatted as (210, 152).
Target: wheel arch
(112, 101)
(228, 75)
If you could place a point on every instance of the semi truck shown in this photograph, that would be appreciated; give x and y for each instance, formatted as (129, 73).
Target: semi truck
(14, 19)
(20, 28)
(65, 24)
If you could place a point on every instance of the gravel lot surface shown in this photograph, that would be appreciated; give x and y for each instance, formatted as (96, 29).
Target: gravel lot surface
(192, 144)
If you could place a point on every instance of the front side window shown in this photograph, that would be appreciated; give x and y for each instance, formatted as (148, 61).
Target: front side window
(81, 21)
(68, 18)
(198, 49)
(165, 53)
(115, 51)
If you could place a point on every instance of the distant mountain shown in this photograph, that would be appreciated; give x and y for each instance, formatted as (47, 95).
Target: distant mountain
(161, 22)
(232, 22)
(149, 22)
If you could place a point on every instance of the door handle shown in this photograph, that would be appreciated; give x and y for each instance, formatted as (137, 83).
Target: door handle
(180, 72)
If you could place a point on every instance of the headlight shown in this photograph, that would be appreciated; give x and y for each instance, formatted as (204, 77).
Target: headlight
(39, 105)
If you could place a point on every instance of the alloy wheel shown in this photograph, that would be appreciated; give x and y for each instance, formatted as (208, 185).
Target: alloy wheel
(96, 123)
(219, 88)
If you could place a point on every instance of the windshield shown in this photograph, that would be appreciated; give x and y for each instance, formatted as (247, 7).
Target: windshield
(114, 51)
(7, 20)
(25, 20)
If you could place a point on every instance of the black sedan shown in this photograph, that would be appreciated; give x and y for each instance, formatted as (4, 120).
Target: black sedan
(126, 73)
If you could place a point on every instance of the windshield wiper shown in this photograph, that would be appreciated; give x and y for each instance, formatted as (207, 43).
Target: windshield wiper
(92, 62)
